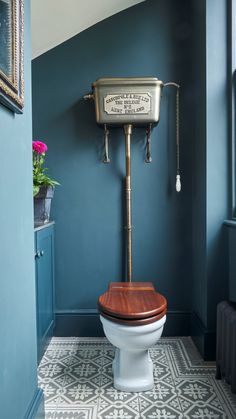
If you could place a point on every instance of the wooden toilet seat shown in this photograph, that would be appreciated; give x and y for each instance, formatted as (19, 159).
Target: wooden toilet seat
(132, 303)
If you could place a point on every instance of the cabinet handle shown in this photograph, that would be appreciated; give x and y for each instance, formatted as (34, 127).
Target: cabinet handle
(41, 253)
(37, 255)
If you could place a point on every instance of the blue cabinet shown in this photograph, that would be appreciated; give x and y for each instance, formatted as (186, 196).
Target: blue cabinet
(44, 268)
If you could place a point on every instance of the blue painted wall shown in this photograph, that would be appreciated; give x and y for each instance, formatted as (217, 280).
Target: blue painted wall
(19, 396)
(210, 165)
(178, 241)
(153, 38)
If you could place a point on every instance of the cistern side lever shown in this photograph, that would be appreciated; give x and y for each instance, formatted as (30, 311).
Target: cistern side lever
(88, 96)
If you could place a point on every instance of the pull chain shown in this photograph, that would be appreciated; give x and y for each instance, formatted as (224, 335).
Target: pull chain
(178, 182)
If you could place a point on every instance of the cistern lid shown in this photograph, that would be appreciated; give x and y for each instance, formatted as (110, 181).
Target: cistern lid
(136, 300)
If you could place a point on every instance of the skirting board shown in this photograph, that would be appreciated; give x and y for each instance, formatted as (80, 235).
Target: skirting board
(204, 339)
(87, 323)
(36, 408)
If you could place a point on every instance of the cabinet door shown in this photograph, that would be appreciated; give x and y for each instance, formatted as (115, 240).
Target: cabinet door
(44, 287)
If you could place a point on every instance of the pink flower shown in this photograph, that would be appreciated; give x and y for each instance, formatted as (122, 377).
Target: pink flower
(39, 147)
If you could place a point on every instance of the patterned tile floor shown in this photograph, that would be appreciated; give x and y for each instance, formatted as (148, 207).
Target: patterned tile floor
(76, 377)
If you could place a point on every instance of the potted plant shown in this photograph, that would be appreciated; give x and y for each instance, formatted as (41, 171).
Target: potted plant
(43, 185)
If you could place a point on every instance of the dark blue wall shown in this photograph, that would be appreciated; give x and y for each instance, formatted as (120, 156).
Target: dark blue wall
(153, 38)
(178, 240)
(19, 395)
(210, 168)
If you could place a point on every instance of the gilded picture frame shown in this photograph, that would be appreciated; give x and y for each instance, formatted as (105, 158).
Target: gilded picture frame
(12, 54)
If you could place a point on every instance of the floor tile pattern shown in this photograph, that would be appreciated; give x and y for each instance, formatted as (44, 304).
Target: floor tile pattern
(76, 377)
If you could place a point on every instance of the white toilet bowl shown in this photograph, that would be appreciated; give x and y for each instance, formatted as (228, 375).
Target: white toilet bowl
(132, 366)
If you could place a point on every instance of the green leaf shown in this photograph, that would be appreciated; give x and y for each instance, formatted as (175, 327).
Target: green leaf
(40, 177)
(35, 190)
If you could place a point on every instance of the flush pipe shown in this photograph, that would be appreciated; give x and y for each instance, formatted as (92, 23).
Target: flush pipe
(128, 132)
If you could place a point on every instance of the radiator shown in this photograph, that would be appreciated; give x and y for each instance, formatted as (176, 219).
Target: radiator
(226, 343)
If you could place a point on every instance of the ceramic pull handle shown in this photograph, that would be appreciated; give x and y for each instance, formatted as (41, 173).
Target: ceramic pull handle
(178, 183)
(41, 253)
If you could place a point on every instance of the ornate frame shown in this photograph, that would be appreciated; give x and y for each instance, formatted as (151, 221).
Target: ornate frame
(12, 88)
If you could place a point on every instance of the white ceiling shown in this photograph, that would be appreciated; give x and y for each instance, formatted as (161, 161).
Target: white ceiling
(55, 21)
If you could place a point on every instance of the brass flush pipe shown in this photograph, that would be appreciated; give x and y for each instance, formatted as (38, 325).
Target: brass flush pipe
(128, 132)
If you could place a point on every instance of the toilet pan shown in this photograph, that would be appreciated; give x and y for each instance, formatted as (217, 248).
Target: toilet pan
(133, 316)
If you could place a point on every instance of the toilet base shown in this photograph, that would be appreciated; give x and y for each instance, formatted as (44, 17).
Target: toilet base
(132, 366)
(133, 370)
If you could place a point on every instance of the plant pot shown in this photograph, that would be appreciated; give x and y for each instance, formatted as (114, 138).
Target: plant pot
(42, 205)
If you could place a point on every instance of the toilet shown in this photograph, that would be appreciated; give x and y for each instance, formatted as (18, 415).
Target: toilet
(133, 315)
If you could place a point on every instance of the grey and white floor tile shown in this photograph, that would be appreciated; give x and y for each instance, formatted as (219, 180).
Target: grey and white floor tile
(76, 377)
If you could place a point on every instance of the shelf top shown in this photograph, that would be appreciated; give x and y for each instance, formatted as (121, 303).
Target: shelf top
(40, 227)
